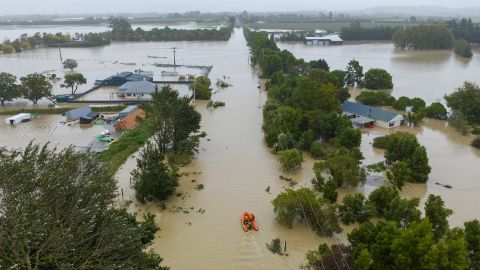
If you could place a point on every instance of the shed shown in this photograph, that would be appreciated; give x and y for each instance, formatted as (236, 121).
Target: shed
(19, 118)
(130, 121)
(75, 114)
(381, 117)
(127, 111)
(138, 88)
(89, 118)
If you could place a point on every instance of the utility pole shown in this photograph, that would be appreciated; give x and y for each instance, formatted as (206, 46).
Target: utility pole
(60, 51)
(174, 59)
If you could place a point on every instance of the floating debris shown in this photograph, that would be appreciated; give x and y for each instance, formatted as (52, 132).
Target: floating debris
(445, 186)
(199, 187)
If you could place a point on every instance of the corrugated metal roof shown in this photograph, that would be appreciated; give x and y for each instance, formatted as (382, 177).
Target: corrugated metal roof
(334, 38)
(75, 114)
(362, 120)
(369, 112)
(138, 87)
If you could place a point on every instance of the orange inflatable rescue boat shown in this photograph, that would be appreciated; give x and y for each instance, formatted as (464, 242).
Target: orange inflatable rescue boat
(248, 222)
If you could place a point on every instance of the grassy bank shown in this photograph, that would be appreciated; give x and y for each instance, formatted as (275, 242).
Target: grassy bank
(62, 110)
(125, 146)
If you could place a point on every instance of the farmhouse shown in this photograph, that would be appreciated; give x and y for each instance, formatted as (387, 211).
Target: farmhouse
(362, 115)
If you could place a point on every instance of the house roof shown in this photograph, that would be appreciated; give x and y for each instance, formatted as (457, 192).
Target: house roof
(362, 120)
(369, 112)
(138, 87)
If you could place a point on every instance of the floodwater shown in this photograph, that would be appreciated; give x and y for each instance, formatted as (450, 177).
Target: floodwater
(425, 74)
(13, 32)
(200, 229)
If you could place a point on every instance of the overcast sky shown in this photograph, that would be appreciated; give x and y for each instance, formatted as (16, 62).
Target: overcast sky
(10, 7)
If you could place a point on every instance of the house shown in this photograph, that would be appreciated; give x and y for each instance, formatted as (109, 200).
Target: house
(332, 39)
(137, 88)
(122, 78)
(76, 114)
(130, 121)
(127, 111)
(363, 115)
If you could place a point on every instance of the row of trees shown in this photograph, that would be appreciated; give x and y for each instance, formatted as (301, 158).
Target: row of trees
(32, 87)
(424, 37)
(465, 29)
(175, 140)
(357, 32)
(123, 31)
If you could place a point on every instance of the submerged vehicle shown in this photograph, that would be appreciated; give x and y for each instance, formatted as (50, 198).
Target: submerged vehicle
(248, 222)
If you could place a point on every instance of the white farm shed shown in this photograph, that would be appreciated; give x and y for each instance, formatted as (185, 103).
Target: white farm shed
(19, 118)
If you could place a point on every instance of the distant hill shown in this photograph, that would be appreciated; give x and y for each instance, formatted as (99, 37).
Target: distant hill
(420, 11)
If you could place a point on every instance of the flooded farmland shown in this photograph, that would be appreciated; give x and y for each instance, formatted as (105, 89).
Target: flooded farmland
(200, 229)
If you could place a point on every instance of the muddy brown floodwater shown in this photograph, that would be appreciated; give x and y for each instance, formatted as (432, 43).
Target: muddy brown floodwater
(200, 229)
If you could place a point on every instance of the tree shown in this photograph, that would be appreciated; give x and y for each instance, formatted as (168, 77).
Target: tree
(8, 87)
(344, 170)
(377, 98)
(402, 103)
(57, 213)
(303, 206)
(381, 197)
(330, 191)
(320, 63)
(438, 215)
(337, 256)
(354, 74)
(466, 100)
(403, 211)
(436, 110)
(418, 104)
(400, 146)
(399, 174)
(418, 164)
(176, 121)
(153, 178)
(377, 78)
(73, 80)
(355, 208)
(472, 237)
(463, 48)
(290, 159)
(35, 87)
(350, 138)
(7, 49)
(70, 64)
(202, 88)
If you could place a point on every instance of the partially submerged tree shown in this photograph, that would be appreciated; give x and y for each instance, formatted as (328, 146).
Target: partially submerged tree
(153, 179)
(57, 214)
(354, 74)
(303, 206)
(73, 80)
(9, 90)
(377, 78)
(70, 64)
(35, 87)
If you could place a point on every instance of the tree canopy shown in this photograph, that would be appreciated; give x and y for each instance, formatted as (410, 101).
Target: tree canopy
(424, 37)
(57, 213)
(9, 89)
(70, 64)
(73, 80)
(377, 78)
(35, 87)
(466, 100)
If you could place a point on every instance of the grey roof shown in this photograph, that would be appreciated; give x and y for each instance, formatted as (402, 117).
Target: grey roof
(75, 114)
(367, 111)
(128, 110)
(137, 87)
(362, 120)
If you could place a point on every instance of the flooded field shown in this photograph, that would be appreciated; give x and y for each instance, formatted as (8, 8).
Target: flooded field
(47, 128)
(200, 229)
(426, 74)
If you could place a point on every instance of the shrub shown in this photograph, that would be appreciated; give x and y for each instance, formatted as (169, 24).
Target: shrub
(330, 191)
(436, 110)
(377, 78)
(378, 98)
(476, 142)
(290, 159)
(317, 150)
(381, 142)
(402, 103)
(463, 48)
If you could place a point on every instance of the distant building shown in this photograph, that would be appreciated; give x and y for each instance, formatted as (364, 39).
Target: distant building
(363, 115)
(122, 78)
(319, 33)
(332, 39)
(138, 88)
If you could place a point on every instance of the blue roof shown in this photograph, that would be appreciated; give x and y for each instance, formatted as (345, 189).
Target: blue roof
(367, 111)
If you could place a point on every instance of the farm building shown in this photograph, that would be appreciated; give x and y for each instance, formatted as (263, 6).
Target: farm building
(130, 121)
(122, 78)
(127, 111)
(138, 88)
(363, 115)
(76, 114)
